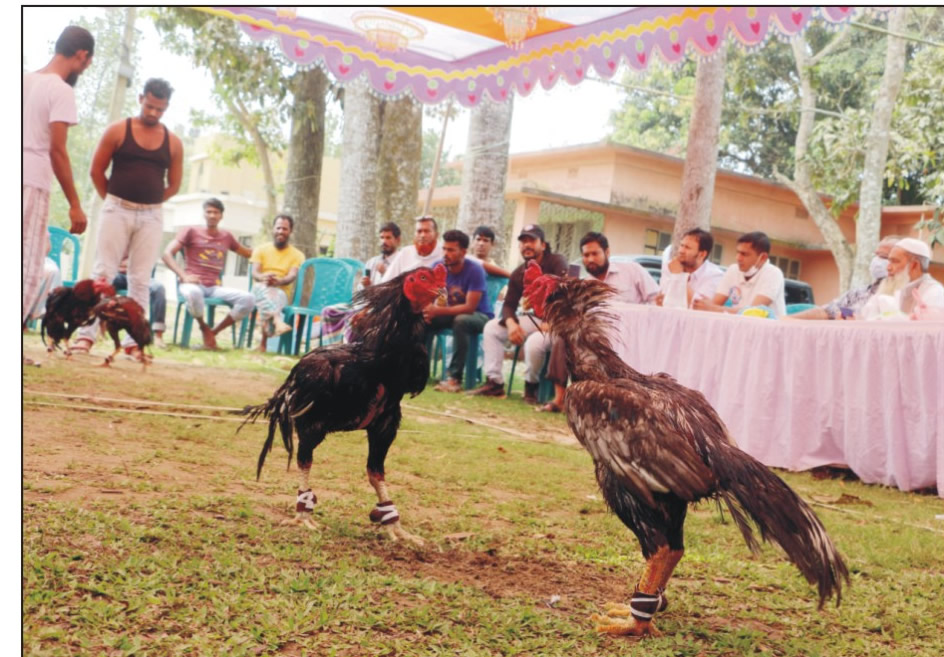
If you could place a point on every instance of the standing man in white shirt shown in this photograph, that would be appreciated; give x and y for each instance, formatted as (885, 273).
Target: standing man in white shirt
(424, 251)
(48, 112)
(691, 267)
(753, 281)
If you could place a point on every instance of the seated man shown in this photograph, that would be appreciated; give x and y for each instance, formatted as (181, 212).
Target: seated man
(908, 281)
(424, 251)
(205, 254)
(467, 305)
(483, 241)
(752, 281)
(376, 267)
(274, 267)
(158, 297)
(691, 267)
(632, 283)
(521, 328)
(850, 303)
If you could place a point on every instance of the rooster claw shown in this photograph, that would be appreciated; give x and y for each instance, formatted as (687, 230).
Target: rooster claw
(396, 532)
(302, 519)
(619, 627)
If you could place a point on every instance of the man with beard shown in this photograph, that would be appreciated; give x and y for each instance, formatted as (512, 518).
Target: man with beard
(48, 111)
(851, 303)
(146, 162)
(908, 281)
(424, 251)
(632, 283)
(519, 328)
(274, 269)
(467, 305)
(376, 267)
(691, 267)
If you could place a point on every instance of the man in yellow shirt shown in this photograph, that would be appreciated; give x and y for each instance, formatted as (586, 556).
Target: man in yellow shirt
(274, 269)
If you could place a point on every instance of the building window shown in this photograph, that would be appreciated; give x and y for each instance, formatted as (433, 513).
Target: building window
(242, 264)
(715, 256)
(656, 241)
(790, 268)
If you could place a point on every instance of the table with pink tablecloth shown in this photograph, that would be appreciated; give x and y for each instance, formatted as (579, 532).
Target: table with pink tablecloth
(800, 394)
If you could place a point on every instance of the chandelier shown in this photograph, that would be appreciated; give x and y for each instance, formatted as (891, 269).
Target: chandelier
(387, 33)
(517, 22)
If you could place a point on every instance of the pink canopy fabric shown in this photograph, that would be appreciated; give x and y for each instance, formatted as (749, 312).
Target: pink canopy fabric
(453, 52)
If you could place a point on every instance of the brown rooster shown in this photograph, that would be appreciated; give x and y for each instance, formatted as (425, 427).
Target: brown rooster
(119, 313)
(358, 385)
(659, 446)
(68, 308)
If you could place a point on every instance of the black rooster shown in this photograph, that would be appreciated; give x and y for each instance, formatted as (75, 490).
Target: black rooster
(119, 313)
(358, 385)
(68, 308)
(658, 446)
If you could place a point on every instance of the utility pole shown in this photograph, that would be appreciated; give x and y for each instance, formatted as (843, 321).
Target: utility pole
(435, 172)
(125, 73)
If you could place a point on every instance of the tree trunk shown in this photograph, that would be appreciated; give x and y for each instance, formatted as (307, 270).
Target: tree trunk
(484, 171)
(357, 198)
(869, 222)
(303, 169)
(802, 183)
(401, 149)
(701, 157)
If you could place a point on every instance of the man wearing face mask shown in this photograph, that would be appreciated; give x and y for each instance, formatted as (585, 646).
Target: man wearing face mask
(424, 251)
(850, 303)
(752, 281)
(908, 281)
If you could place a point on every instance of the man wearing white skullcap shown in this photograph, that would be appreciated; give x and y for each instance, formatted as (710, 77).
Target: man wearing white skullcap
(908, 277)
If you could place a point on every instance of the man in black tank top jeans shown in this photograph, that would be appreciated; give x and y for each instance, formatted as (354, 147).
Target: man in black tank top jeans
(146, 167)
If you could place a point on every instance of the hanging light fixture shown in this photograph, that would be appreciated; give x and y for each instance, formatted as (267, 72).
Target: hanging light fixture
(517, 22)
(387, 33)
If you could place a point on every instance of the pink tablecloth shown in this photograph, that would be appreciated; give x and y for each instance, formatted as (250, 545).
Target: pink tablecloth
(800, 394)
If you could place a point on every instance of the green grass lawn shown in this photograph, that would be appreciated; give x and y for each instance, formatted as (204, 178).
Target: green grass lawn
(148, 534)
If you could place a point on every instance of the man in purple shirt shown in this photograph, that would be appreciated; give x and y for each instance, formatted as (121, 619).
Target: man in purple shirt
(205, 254)
(467, 307)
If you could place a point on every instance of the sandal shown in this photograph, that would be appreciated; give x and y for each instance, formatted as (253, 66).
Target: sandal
(81, 346)
(549, 407)
(135, 353)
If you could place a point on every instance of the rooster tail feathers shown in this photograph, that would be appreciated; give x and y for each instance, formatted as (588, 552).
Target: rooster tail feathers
(277, 411)
(782, 517)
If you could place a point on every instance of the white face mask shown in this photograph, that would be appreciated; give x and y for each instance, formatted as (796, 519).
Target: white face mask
(878, 268)
(755, 268)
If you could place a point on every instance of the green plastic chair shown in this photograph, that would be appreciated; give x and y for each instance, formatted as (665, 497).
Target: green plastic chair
(58, 237)
(333, 284)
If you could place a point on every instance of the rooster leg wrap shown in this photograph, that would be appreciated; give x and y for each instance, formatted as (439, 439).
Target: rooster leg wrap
(384, 513)
(647, 600)
(305, 502)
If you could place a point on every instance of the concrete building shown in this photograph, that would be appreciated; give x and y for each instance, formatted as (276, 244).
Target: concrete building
(632, 196)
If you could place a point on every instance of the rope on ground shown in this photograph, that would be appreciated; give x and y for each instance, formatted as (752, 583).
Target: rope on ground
(112, 409)
(464, 418)
(142, 402)
(832, 507)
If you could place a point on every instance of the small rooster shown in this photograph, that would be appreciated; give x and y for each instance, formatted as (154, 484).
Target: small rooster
(659, 446)
(119, 313)
(68, 308)
(358, 385)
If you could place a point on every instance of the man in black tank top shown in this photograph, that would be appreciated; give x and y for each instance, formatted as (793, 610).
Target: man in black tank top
(146, 162)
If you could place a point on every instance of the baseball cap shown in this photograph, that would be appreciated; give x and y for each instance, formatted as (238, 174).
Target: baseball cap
(532, 230)
(914, 246)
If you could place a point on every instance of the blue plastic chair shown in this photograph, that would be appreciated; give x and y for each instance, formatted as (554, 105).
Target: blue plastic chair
(210, 305)
(333, 284)
(58, 237)
(438, 347)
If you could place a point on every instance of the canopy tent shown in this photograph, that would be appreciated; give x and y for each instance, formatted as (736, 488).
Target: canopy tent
(467, 52)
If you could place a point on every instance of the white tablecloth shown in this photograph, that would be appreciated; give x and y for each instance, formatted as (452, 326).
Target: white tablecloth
(800, 394)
